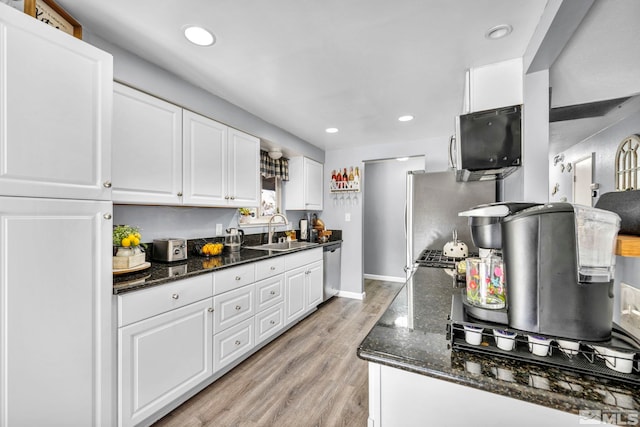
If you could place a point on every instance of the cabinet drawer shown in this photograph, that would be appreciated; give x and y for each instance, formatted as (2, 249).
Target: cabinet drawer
(269, 292)
(301, 258)
(230, 308)
(232, 343)
(233, 278)
(269, 267)
(269, 322)
(145, 303)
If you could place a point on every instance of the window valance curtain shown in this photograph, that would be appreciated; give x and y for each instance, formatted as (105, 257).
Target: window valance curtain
(270, 168)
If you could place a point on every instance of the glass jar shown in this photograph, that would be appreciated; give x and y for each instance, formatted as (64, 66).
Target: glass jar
(485, 282)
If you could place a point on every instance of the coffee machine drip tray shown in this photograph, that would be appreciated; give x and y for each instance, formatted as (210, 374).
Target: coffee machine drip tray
(616, 359)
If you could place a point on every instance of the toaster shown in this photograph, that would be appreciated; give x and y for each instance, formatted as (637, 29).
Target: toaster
(169, 250)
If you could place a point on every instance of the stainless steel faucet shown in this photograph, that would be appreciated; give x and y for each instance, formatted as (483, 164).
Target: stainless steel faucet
(270, 227)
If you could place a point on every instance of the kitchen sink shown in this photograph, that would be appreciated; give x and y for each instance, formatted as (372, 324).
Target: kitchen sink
(283, 246)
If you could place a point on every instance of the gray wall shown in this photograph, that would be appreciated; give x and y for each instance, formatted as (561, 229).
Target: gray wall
(605, 145)
(383, 217)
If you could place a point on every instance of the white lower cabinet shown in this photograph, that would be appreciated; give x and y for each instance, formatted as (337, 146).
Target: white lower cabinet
(162, 357)
(232, 343)
(269, 322)
(175, 338)
(303, 290)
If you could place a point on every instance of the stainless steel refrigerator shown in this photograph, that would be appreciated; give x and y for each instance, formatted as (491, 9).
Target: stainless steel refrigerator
(432, 204)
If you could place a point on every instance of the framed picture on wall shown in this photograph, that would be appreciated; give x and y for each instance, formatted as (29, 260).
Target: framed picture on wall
(49, 12)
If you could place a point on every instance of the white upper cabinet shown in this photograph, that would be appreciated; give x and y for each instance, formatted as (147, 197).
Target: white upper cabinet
(55, 120)
(165, 155)
(303, 191)
(205, 165)
(494, 86)
(147, 148)
(244, 169)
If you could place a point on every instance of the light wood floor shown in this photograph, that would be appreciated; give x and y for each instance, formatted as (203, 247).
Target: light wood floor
(309, 376)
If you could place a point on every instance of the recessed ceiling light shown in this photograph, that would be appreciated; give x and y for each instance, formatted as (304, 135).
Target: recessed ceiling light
(498, 32)
(199, 35)
(331, 130)
(407, 118)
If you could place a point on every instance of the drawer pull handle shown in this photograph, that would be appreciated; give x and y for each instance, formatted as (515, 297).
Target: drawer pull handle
(238, 342)
(238, 307)
(272, 292)
(238, 278)
(210, 309)
(272, 268)
(175, 296)
(107, 216)
(106, 184)
(273, 322)
(180, 194)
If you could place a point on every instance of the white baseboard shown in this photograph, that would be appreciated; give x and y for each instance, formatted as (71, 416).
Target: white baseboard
(385, 278)
(352, 295)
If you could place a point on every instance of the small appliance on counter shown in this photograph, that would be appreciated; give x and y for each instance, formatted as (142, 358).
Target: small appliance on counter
(304, 229)
(552, 266)
(233, 240)
(169, 250)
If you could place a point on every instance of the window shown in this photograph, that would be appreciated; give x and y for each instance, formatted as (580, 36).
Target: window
(627, 164)
(270, 203)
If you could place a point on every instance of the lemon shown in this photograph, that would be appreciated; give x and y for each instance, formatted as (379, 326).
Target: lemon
(135, 241)
(126, 242)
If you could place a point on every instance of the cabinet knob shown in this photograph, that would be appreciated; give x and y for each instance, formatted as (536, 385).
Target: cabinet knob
(226, 197)
(232, 197)
(307, 272)
(272, 292)
(237, 342)
(273, 322)
(180, 194)
(210, 309)
(107, 216)
(272, 268)
(175, 296)
(238, 278)
(106, 184)
(238, 307)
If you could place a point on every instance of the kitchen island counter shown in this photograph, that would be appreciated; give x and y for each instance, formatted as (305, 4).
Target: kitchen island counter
(160, 273)
(411, 336)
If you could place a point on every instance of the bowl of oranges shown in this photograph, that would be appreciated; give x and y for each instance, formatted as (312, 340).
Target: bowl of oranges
(210, 249)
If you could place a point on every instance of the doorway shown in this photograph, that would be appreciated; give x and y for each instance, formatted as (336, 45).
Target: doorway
(583, 175)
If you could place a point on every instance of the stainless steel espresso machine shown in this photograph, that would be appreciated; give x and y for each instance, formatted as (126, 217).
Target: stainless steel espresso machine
(544, 277)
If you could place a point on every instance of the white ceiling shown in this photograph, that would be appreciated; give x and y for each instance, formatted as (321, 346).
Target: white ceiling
(306, 65)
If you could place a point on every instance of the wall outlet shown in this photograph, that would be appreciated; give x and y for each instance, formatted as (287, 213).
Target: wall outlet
(218, 229)
(347, 217)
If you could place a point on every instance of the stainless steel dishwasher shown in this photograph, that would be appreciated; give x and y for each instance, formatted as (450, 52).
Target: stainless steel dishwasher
(331, 269)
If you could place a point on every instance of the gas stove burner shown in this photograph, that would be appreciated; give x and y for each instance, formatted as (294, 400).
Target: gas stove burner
(435, 258)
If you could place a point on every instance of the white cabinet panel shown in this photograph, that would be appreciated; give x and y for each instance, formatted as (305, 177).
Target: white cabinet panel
(269, 292)
(232, 343)
(147, 148)
(205, 164)
(304, 190)
(269, 267)
(232, 307)
(145, 303)
(295, 301)
(314, 284)
(55, 120)
(233, 278)
(55, 322)
(269, 322)
(161, 358)
(244, 169)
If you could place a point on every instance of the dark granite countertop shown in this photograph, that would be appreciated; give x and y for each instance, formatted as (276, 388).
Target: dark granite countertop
(411, 335)
(161, 272)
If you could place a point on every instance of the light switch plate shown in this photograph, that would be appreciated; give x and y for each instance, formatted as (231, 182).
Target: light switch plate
(347, 217)
(218, 229)
(630, 309)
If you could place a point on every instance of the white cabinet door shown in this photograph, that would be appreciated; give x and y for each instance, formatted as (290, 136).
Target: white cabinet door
(295, 301)
(230, 308)
(55, 327)
(313, 185)
(205, 165)
(303, 191)
(55, 112)
(232, 343)
(269, 322)
(314, 284)
(244, 169)
(161, 358)
(147, 148)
